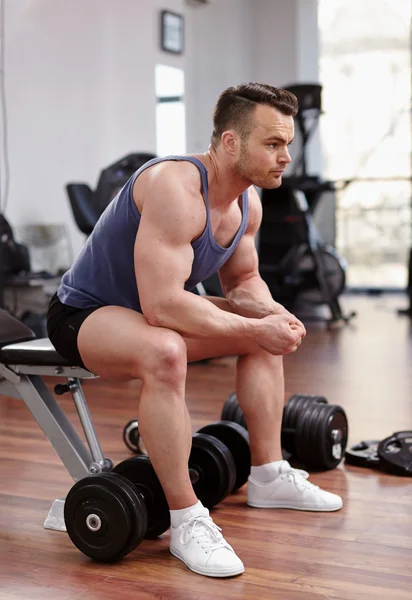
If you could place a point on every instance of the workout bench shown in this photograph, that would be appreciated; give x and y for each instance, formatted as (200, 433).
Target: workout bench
(23, 362)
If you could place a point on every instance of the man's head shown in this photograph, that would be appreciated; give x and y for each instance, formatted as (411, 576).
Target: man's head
(253, 124)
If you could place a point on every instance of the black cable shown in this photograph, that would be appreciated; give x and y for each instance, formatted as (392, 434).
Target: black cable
(4, 199)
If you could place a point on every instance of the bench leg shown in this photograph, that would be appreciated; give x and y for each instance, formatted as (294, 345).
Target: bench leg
(55, 425)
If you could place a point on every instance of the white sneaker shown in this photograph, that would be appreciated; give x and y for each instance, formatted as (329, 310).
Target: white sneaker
(200, 545)
(290, 489)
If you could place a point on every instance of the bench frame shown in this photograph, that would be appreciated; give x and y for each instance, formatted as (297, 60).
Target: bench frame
(25, 382)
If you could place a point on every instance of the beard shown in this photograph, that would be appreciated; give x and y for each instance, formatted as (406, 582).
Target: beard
(252, 174)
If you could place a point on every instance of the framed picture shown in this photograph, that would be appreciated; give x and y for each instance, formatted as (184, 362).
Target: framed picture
(172, 32)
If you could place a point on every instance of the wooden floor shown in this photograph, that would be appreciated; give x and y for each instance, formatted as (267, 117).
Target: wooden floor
(362, 552)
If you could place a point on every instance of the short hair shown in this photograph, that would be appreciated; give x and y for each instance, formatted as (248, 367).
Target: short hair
(236, 105)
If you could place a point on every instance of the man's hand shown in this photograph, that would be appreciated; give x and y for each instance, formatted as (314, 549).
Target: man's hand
(280, 334)
(278, 309)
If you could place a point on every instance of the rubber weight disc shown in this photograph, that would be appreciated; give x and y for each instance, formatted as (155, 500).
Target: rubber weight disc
(139, 471)
(236, 438)
(212, 469)
(364, 454)
(395, 453)
(105, 517)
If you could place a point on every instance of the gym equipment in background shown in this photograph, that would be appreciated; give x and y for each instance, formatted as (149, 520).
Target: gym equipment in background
(113, 178)
(393, 454)
(313, 431)
(364, 454)
(294, 261)
(87, 205)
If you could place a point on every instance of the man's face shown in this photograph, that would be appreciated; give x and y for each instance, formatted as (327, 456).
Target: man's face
(264, 156)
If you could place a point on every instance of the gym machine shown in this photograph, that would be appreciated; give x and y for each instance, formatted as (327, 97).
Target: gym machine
(294, 261)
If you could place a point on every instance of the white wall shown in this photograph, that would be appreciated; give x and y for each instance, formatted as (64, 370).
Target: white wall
(80, 94)
(233, 41)
(80, 82)
(219, 54)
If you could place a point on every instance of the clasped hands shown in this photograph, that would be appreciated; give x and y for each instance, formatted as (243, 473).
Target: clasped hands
(280, 332)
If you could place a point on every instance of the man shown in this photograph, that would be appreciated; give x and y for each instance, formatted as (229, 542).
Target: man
(125, 310)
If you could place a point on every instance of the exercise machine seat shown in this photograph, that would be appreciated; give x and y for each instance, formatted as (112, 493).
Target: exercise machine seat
(81, 201)
(18, 346)
(34, 353)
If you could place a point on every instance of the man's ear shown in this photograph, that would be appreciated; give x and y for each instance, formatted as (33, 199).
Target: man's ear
(230, 141)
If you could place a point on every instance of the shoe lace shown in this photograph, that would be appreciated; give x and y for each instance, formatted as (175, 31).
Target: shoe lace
(299, 478)
(205, 531)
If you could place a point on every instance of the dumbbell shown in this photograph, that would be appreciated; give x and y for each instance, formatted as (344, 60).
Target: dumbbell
(109, 514)
(219, 462)
(235, 439)
(313, 431)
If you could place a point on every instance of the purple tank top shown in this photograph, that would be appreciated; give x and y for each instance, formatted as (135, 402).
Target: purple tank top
(103, 273)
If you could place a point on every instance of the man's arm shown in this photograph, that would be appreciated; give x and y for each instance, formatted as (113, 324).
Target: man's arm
(172, 216)
(242, 285)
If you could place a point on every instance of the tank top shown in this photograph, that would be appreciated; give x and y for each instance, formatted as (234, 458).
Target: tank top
(104, 274)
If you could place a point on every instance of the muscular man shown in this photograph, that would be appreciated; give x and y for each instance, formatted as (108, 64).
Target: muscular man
(125, 309)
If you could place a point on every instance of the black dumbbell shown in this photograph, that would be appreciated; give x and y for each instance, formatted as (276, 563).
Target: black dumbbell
(108, 515)
(219, 462)
(236, 438)
(313, 431)
(294, 408)
(132, 439)
(212, 469)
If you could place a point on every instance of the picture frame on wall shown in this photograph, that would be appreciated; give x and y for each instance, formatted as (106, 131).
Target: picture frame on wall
(172, 32)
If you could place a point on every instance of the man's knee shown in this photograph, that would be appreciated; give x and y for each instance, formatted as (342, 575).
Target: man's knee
(262, 357)
(166, 359)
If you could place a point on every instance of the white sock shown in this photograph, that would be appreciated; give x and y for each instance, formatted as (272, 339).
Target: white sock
(267, 472)
(176, 516)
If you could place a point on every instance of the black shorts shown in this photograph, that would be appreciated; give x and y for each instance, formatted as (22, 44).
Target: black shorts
(63, 324)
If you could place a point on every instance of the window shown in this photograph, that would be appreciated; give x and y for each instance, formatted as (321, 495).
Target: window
(365, 63)
(170, 111)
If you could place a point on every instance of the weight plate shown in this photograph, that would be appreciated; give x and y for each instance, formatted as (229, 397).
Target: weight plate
(140, 472)
(395, 453)
(139, 516)
(337, 436)
(298, 403)
(236, 438)
(364, 454)
(132, 439)
(213, 466)
(295, 407)
(303, 435)
(104, 517)
(321, 436)
(332, 437)
(229, 407)
(309, 433)
(289, 413)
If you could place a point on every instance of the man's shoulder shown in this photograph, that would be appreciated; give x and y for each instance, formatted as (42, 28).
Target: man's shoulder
(179, 171)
